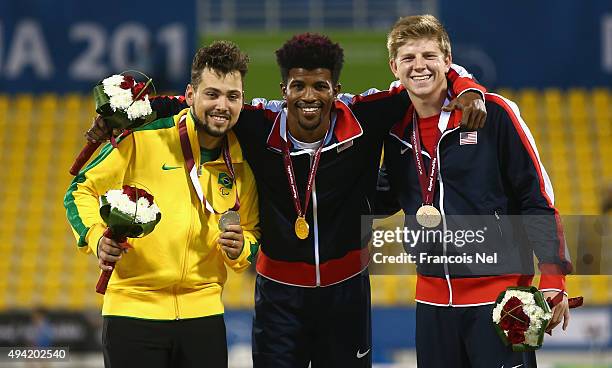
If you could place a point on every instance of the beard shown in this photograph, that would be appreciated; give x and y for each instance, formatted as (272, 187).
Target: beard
(312, 124)
(208, 128)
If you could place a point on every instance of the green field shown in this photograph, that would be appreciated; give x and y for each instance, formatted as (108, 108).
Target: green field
(365, 60)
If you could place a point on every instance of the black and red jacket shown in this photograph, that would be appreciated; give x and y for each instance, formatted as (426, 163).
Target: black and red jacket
(345, 181)
(493, 180)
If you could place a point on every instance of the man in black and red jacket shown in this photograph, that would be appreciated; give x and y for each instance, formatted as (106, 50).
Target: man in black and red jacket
(482, 178)
(312, 298)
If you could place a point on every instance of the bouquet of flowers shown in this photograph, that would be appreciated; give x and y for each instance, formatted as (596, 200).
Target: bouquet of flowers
(129, 213)
(521, 316)
(123, 103)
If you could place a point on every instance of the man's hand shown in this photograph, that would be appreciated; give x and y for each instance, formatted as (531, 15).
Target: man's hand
(232, 241)
(108, 251)
(560, 311)
(473, 107)
(98, 132)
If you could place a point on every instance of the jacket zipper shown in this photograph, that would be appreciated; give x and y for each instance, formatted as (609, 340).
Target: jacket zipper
(501, 233)
(444, 225)
(316, 228)
(183, 266)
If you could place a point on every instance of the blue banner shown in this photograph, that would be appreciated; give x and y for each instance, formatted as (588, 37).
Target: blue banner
(64, 46)
(526, 43)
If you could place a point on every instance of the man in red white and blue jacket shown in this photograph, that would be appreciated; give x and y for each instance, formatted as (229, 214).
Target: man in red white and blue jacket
(484, 178)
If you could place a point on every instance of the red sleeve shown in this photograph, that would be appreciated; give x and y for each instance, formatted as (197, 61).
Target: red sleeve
(461, 84)
(552, 277)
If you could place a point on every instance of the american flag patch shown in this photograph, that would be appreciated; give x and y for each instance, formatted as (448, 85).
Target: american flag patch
(468, 138)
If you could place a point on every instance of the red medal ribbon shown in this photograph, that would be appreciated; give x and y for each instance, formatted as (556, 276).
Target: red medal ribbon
(189, 160)
(291, 176)
(227, 158)
(427, 182)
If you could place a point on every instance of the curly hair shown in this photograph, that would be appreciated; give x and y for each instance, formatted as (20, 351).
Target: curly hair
(310, 51)
(221, 56)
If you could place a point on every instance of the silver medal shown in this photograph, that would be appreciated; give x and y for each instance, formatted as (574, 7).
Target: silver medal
(228, 218)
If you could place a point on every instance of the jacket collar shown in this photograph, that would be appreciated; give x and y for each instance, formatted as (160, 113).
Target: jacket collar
(234, 145)
(403, 128)
(345, 125)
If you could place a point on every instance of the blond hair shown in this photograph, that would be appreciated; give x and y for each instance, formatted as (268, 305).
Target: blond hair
(417, 27)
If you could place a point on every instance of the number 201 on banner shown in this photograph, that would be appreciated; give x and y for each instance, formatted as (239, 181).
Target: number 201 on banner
(100, 51)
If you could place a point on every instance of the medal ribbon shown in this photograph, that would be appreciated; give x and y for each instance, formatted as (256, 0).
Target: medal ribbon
(427, 182)
(301, 212)
(193, 175)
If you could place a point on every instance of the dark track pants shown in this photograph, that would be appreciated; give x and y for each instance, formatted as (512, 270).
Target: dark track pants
(327, 326)
(463, 337)
(188, 343)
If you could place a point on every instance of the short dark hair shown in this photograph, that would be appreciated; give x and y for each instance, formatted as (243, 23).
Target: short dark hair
(310, 51)
(221, 56)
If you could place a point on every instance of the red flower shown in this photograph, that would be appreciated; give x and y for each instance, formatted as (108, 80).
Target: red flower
(134, 193)
(506, 323)
(522, 321)
(143, 193)
(516, 337)
(136, 90)
(513, 316)
(512, 304)
(128, 82)
(130, 191)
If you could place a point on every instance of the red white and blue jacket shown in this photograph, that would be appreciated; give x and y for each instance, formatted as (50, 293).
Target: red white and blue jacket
(492, 179)
(345, 181)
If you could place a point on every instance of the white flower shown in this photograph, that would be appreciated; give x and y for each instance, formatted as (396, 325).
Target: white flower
(117, 199)
(497, 313)
(113, 80)
(139, 109)
(112, 90)
(146, 212)
(122, 99)
(142, 209)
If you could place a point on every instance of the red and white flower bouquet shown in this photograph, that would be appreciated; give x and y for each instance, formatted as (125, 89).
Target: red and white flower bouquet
(521, 315)
(129, 213)
(124, 104)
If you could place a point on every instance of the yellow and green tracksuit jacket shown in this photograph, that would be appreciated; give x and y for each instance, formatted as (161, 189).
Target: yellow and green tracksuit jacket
(177, 271)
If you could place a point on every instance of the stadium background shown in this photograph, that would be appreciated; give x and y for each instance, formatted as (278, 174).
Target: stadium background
(554, 58)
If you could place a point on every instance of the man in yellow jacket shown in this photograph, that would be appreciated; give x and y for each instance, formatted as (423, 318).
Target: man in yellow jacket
(163, 304)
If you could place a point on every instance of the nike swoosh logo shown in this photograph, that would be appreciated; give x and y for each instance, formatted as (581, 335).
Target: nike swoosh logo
(516, 366)
(166, 167)
(361, 355)
(403, 150)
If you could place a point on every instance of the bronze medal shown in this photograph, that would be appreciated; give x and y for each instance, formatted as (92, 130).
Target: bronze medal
(428, 216)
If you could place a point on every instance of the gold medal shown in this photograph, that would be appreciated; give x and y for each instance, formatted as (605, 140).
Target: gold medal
(301, 228)
(428, 216)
